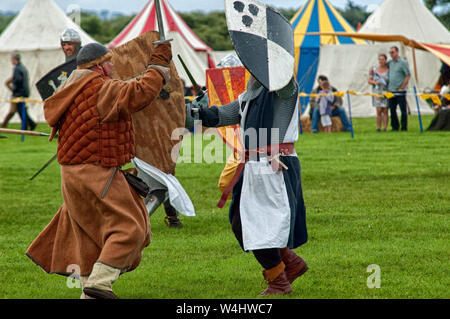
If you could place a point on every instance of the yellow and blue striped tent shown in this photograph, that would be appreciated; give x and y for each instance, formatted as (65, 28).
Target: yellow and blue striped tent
(316, 16)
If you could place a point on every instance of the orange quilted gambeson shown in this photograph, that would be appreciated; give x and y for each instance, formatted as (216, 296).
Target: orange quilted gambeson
(84, 139)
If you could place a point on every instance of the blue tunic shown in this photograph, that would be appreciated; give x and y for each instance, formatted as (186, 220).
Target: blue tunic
(260, 115)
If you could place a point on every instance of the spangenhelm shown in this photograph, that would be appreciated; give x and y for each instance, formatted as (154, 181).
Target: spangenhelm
(70, 35)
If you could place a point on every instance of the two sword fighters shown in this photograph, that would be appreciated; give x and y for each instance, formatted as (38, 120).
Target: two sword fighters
(103, 227)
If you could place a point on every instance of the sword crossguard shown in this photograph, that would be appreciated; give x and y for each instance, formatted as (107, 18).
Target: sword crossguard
(162, 41)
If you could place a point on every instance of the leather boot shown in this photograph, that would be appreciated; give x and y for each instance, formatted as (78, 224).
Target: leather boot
(84, 280)
(100, 281)
(295, 265)
(171, 219)
(277, 283)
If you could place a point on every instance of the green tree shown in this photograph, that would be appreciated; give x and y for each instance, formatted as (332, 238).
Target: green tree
(4, 21)
(288, 13)
(211, 28)
(444, 14)
(354, 13)
(103, 30)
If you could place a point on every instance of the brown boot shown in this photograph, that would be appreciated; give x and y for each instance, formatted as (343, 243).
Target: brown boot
(295, 265)
(171, 220)
(276, 281)
(99, 283)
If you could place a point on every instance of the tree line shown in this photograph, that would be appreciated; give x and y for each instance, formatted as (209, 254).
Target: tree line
(211, 27)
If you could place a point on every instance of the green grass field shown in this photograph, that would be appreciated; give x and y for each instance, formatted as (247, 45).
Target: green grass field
(380, 198)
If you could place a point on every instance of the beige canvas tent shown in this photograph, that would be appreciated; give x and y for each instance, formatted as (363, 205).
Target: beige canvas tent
(348, 66)
(34, 33)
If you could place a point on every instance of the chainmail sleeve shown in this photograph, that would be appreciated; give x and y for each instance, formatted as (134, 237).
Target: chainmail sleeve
(229, 114)
(221, 116)
(284, 107)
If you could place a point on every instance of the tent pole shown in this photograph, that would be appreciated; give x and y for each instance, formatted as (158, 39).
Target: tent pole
(415, 65)
(415, 88)
(418, 109)
(350, 114)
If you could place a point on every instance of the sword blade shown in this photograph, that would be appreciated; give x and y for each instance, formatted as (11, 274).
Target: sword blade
(162, 35)
(44, 167)
(105, 190)
(197, 88)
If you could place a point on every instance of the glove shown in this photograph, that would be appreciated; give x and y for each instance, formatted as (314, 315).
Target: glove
(162, 54)
(202, 103)
(191, 116)
(163, 70)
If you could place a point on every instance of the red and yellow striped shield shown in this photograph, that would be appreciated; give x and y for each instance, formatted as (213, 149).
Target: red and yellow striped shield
(224, 86)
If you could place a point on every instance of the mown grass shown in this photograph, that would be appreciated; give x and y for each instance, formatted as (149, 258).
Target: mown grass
(380, 198)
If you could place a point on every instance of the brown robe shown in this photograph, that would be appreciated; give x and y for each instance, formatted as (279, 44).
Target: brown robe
(87, 228)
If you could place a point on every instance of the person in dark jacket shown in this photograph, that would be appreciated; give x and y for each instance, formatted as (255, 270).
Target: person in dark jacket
(19, 85)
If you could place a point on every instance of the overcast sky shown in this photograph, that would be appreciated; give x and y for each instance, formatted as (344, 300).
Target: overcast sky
(134, 6)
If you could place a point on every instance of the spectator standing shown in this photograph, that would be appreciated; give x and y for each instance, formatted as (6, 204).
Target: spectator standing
(20, 88)
(379, 79)
(399, 76)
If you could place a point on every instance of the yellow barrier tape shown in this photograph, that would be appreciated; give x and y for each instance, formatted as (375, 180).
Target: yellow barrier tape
(436, 99)
(21, 99)
(425, 96)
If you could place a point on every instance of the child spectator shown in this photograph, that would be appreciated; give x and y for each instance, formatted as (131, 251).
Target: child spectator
(325, 102)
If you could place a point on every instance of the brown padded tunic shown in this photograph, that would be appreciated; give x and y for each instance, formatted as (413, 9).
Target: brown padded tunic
(88, 228)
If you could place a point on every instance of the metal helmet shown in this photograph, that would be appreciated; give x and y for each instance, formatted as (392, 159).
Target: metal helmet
(70, 35)
(90, 53)
(229, 61)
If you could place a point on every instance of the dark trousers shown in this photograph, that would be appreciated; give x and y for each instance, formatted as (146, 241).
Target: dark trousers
(398, 99)
(29, 123)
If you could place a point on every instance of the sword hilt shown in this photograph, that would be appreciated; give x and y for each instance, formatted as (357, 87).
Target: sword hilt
(162, 41)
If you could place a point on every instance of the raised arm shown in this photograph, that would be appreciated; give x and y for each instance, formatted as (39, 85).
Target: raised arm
(117, 97)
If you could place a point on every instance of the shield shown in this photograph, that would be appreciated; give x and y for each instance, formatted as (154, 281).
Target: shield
(50, 82)
(224, 86)
(154, 124)
(264, 41)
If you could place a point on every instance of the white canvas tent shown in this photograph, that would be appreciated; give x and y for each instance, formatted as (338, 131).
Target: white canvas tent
(35, 34)
(347, 66)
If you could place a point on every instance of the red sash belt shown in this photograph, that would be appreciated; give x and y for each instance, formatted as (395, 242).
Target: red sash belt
(283, 149)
